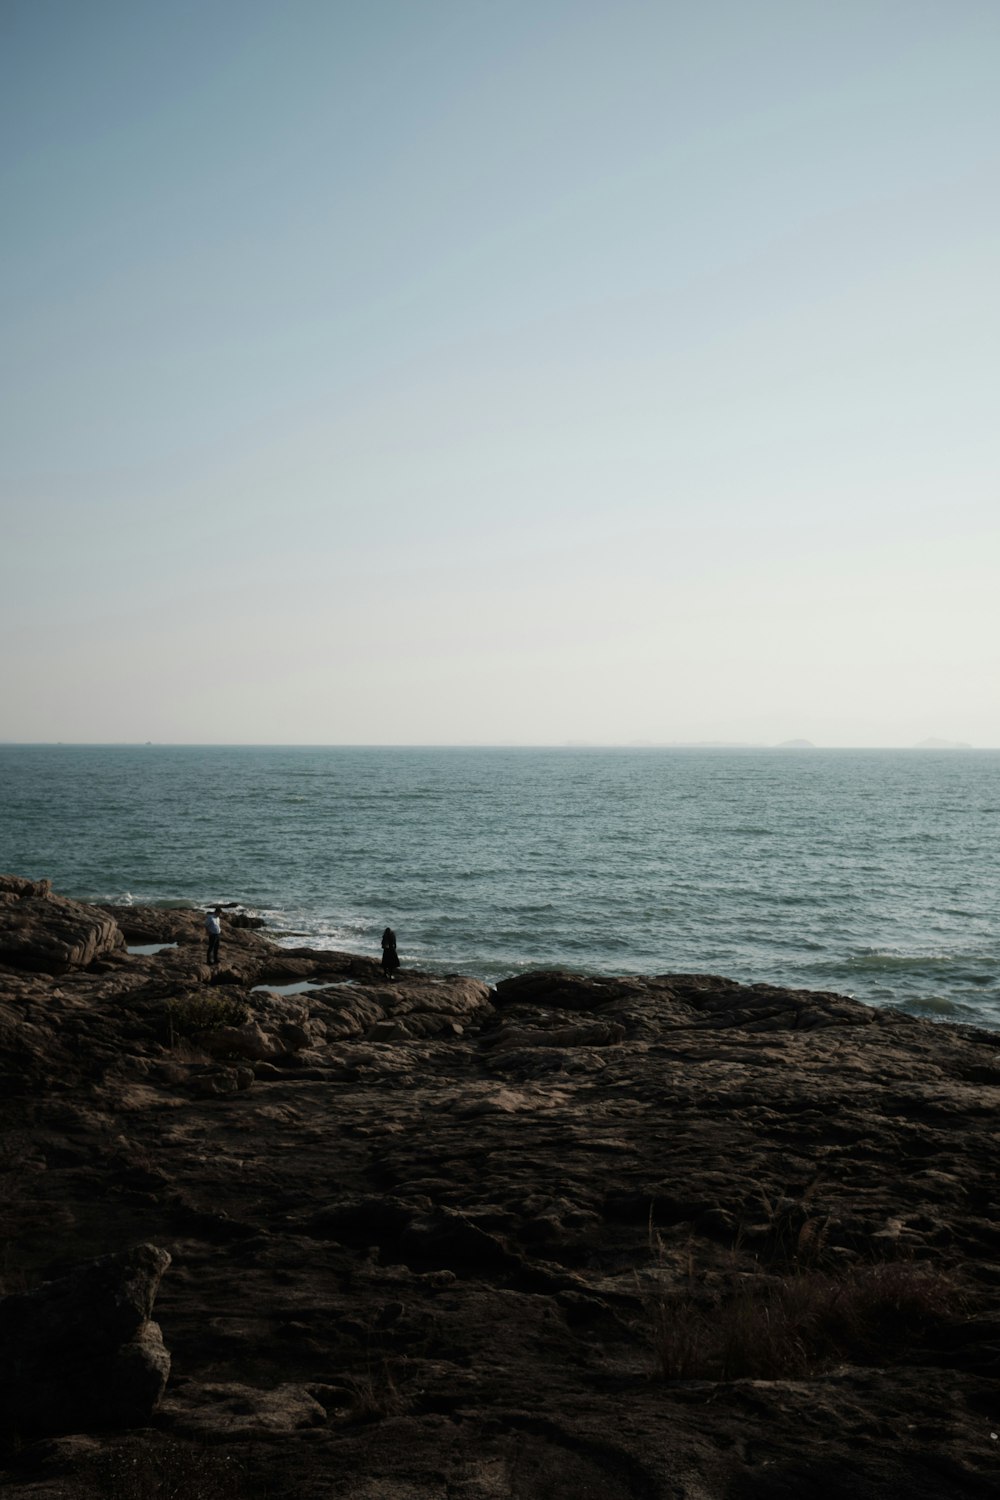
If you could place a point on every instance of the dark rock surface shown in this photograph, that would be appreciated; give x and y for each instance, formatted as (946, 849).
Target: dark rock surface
(82, 1351)
(645, 1237)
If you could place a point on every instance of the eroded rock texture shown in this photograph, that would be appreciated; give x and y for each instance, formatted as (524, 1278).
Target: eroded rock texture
(49, 933)
(645, 1237)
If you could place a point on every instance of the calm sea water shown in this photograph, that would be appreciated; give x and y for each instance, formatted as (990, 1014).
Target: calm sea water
(873, 873)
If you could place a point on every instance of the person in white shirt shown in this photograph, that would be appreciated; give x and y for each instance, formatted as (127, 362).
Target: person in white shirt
(213, 926)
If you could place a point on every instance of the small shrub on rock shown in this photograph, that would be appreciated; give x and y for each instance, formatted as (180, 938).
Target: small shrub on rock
(194, 1015)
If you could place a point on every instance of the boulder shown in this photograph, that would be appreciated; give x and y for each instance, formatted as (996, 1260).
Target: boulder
(556, 988)
(14, 887)
(51, 934)
(249, 1041)
(414, 1006)
(81, 1352)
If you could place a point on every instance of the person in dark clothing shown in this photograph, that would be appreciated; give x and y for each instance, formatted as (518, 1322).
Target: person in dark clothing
(213, 926)
(390, 958)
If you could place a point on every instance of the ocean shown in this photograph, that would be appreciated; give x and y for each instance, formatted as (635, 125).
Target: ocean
(870, 872)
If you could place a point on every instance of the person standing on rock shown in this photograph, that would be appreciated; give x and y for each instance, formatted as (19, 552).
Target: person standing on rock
(390, 958)
(213, 926)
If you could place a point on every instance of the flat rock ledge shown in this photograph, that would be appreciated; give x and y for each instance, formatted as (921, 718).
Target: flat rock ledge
(568, 1238)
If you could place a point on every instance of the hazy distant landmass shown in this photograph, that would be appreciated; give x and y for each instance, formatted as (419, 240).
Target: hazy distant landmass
(933, 744)
(694, 745)
(718, 745)
(689, 745)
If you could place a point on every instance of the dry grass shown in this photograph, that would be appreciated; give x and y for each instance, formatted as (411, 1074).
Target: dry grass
(794, 1326)
(376, 1394)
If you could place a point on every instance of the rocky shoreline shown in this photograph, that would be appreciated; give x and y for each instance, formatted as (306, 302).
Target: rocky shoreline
(563, 1238)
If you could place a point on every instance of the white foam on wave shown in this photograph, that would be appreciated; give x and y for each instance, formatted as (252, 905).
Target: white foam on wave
(290, 927)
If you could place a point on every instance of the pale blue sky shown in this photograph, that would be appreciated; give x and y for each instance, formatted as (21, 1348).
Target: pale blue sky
(464, 372)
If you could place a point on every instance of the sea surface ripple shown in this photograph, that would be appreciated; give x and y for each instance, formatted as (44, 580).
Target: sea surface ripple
(869, 872)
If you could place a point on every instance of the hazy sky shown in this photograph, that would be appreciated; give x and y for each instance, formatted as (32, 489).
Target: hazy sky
(439, 371)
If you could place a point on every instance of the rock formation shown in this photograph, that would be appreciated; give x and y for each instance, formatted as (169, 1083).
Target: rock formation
(82, 1351)
(50, 933)
(653, 1236)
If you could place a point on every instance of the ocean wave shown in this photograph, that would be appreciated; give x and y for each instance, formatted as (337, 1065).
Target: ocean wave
(876, 959)
(144, 898)
(492, 861)
(940, 1005)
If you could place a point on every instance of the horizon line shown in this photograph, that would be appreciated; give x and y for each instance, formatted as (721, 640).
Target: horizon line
(796, 744)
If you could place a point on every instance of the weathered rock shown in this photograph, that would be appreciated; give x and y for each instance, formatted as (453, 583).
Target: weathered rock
(82, 1352)
(595, 1034)
(249, 1041)
(243, 919)
(561, 990)
(232, 1411)
(48, 933)
(216, 1081)
(463, 1225)
(14, 888)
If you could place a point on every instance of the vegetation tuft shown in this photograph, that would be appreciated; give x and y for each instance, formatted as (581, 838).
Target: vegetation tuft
(794, 1326)
(194, 1015)
(376, 1394)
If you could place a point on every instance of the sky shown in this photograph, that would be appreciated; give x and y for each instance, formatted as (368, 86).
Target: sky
(454, 372)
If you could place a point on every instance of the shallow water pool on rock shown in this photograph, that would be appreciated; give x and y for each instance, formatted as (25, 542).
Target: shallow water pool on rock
(301, 985)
